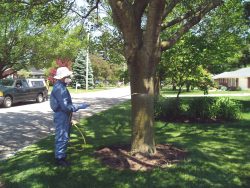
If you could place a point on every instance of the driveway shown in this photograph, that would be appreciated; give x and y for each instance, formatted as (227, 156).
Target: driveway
(25, 124)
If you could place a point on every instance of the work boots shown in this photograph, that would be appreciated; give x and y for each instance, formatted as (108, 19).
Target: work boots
(62, 162)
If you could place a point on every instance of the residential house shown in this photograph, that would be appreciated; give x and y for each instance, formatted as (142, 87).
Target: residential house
(36, 73)
(33, 73)
(234, 79)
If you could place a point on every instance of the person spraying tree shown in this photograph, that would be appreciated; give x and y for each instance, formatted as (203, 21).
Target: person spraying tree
(61, 104)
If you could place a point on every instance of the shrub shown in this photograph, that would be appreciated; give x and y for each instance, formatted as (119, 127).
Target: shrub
(158, 103)
(197, 108)
(226, 109)
(234, 88)
(166, 109)
(200, 108)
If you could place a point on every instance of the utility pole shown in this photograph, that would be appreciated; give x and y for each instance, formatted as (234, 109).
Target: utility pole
(87, 61)
(89, 71)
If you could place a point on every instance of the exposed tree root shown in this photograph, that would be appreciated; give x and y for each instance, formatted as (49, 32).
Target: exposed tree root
(119, 157)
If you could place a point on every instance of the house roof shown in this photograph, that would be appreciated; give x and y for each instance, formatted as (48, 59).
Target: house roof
(35, 71)
(240, 73)
(8, 71)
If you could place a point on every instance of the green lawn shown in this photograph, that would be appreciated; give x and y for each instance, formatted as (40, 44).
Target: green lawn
(73, 90)
(218, 156)
(167, 91)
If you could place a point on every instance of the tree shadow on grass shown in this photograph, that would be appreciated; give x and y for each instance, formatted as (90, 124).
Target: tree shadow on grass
(219, 153)
(112, 126)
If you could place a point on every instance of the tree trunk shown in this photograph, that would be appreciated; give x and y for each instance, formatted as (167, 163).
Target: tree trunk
(174, 87)
(179, 92)
(142, 49)
(188, 88)
(157, 86)
(142, 99)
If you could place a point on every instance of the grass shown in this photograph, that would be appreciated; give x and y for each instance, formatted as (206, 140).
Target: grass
(219, 156)
(166, 92)
(73, 90)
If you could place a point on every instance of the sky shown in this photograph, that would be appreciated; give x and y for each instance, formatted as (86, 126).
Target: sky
(80, 3)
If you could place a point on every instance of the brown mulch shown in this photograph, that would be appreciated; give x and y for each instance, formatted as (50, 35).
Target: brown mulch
(119, 157)
(1, 185)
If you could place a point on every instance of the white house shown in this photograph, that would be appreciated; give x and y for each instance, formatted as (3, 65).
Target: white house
(234, 79)
(36, 73)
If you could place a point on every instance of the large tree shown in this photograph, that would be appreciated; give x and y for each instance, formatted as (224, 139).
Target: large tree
(141, 23)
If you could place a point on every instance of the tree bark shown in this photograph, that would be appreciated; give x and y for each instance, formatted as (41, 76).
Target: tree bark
(157, 85)
(142, 100)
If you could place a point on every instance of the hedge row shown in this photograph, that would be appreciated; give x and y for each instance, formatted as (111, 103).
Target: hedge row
(197, 108)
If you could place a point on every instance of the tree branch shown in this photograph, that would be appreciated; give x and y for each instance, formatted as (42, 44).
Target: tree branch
(124, 16)
(179, 19)
(92, 9)
(185, 16)
(170, 7)
(155, 14)
(33, 3)
(139, 7)
(190, 23)
(122, 10)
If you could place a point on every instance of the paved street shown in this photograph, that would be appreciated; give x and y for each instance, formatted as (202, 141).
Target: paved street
(24, 124)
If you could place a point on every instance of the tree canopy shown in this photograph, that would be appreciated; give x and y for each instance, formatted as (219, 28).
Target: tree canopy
(33, 34)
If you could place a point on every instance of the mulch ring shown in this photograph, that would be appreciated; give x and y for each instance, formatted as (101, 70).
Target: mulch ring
(1, 185)
(119, 157)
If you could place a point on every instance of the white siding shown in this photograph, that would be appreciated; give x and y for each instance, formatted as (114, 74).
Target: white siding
(243, 83)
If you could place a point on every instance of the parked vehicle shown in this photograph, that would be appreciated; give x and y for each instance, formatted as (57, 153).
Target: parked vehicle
(36, 82)
(19, 90)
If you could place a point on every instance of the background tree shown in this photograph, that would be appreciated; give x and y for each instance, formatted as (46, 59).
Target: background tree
(60, 41)
(14, 43)
(245, 59)
(184, 68)
(215, 44)
(222, 41)
(21, 27)
(23, 73)
(109, 46)
(105, 72)
(203, 80)
(65, 39)
(79, 70)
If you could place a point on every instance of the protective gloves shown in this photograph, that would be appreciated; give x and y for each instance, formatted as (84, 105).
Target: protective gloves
(83, 106)
(77, 107)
